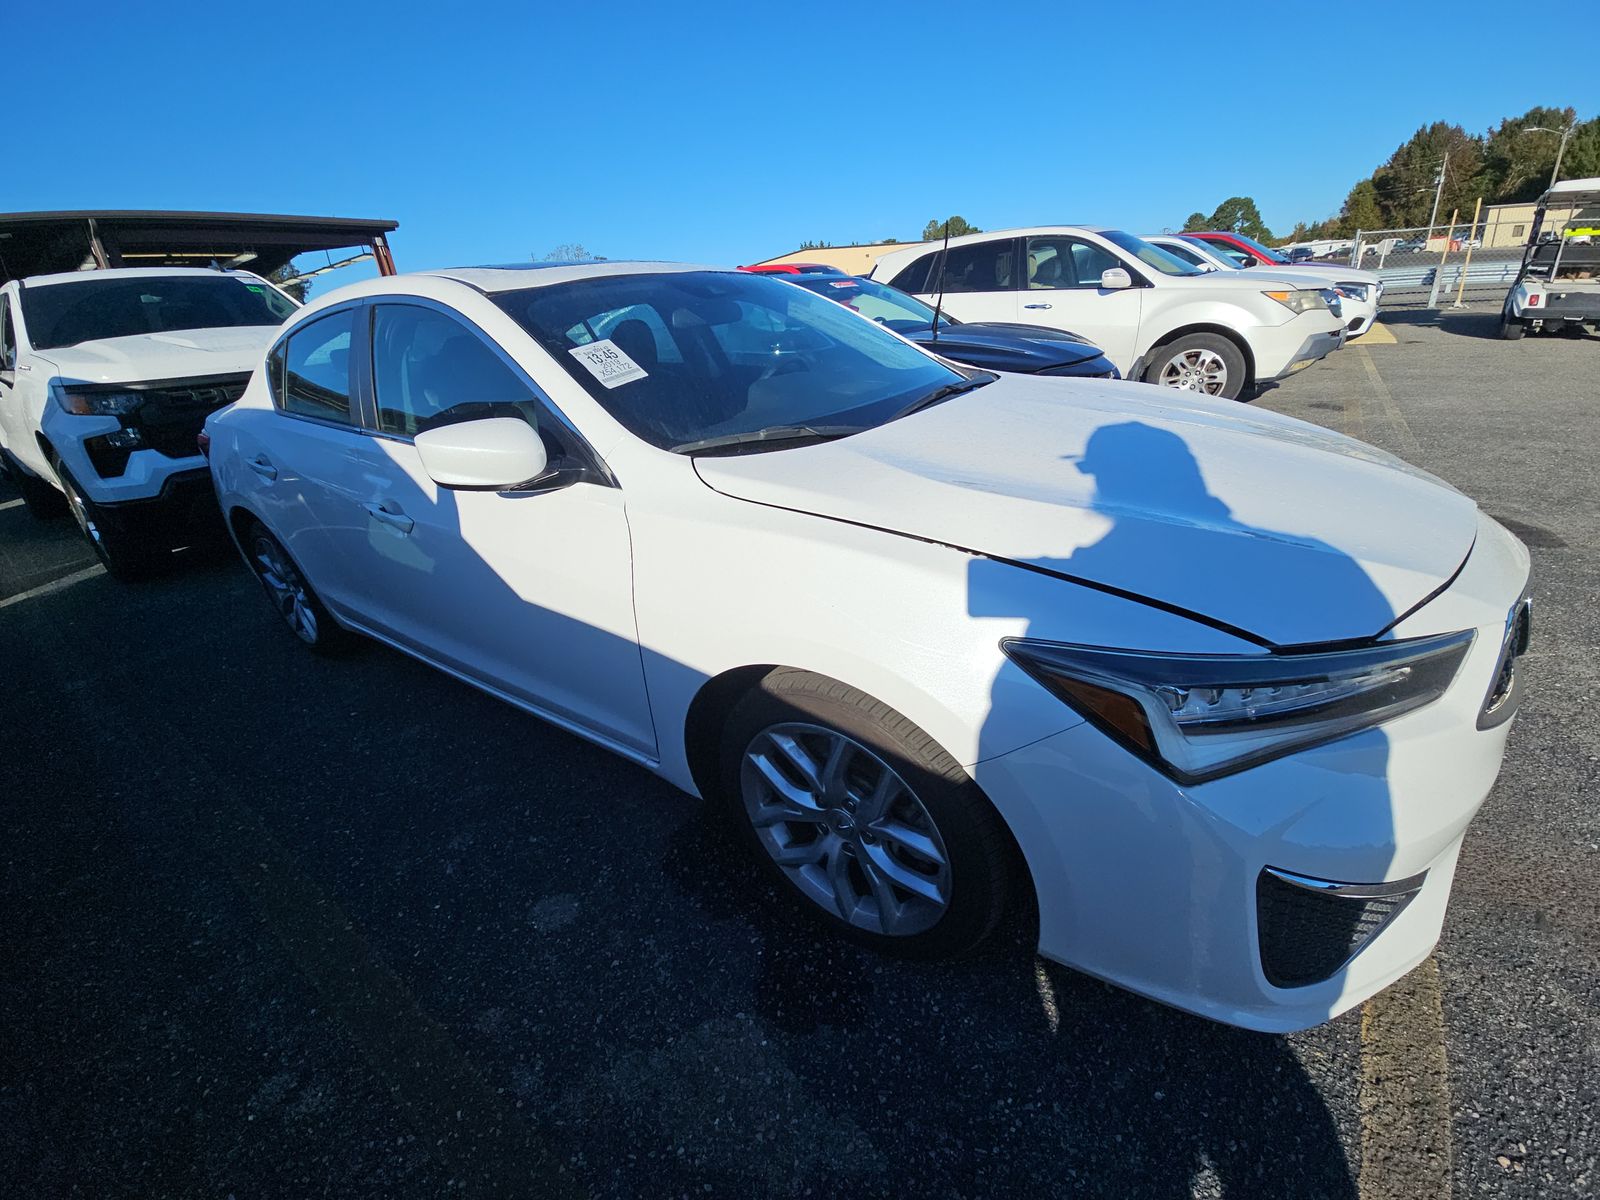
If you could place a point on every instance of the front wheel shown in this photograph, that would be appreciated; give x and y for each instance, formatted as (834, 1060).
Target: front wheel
(1511, 328)
(1199, 362)
(124, 557)
(864, 819)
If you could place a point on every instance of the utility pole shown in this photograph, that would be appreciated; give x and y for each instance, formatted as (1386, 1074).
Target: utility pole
(1438, 190)
(1555, 171)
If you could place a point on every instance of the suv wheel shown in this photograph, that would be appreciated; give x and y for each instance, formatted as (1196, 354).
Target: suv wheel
(864, 819)
(123, 558)
(1199, 362)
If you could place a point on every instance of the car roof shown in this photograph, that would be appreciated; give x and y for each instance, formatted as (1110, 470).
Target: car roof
(133, 273)
(901, 255)
(513, 277)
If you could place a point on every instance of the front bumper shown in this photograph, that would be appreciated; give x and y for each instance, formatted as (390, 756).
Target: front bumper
(185, 506)
(1158, 888)
(1282, 350)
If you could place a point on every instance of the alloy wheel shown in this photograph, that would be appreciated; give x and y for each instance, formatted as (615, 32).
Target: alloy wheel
(1196, 370)
(285, 588)
(846, 829)
(79, 508)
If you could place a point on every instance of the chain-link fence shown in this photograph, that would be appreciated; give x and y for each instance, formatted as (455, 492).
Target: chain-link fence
(1439, 265)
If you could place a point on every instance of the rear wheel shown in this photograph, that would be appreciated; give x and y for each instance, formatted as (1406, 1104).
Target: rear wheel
(864, 819)
(1199, 362)
(289, 593)
(1511, 328)
(124, 557)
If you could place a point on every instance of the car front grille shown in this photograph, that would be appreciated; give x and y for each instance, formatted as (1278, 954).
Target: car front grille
(172, 412)
(1308, 928)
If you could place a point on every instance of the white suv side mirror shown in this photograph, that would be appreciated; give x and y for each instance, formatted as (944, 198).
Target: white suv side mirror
(1115, 279)
(492, 454)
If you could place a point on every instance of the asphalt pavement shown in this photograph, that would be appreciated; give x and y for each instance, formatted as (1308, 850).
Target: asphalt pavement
(281, 925)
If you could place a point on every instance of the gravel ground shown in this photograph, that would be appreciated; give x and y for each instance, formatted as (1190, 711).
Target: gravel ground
(285, 926)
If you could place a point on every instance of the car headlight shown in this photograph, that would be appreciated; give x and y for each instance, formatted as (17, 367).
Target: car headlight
(97, 402)
(1300, 300)
(1198, 717)
(1356, 291)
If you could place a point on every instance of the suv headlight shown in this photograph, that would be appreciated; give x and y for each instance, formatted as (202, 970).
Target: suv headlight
(1196, 716)
(1300, 300)
(98, 402)
(1356, 291)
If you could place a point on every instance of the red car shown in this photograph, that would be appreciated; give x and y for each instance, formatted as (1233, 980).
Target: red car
(790, 269)
(1236, 245)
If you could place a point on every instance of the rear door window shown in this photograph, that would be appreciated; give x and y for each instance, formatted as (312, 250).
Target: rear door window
(915, 277)
(316, 379)
(981, 267)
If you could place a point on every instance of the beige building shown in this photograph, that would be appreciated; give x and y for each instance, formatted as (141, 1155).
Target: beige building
(852, 260)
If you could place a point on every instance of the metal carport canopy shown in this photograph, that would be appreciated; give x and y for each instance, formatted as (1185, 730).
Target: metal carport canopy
(41, 243)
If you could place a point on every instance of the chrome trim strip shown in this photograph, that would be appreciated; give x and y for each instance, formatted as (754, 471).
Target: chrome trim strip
(1407, 887)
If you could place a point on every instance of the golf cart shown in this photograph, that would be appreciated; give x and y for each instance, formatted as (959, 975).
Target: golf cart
(1558, 286)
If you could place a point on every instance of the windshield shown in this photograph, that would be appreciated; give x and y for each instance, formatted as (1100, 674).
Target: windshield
(885, 305)
(1210, 254)
(1150, 256)
(1269, 254)
(96, 307)
(683, 357)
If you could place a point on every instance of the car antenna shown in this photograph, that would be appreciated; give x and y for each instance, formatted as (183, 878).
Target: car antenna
(938, 301)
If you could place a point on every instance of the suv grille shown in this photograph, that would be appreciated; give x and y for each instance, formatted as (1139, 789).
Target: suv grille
(1310, 928)
(170, 418)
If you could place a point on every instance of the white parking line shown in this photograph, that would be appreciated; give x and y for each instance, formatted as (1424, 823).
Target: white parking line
(55, 585)
(5, 504)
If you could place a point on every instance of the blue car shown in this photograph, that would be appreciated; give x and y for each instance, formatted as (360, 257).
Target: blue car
(992, 345)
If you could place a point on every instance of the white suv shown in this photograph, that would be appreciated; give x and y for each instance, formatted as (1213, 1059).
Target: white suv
(106, 378)
(1156, 318)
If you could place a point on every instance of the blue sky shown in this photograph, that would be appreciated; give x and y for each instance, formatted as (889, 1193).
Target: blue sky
(727, 133)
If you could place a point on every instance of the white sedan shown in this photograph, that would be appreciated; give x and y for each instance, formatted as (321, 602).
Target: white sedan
(1218, 690)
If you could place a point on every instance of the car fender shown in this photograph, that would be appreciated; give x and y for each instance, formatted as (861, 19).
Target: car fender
(915, 624)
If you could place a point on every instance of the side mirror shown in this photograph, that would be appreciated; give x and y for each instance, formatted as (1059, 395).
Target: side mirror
(488, 455)
(1115, 279)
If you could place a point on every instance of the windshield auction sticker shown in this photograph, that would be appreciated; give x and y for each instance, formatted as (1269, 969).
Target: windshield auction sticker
(607, 363)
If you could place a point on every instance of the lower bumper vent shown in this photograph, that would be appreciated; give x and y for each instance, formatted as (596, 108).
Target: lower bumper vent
(1310, 928)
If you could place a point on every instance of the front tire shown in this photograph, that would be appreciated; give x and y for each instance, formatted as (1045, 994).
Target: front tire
(864, 818)
(124, 557)
(289, 593)
(1199, 362)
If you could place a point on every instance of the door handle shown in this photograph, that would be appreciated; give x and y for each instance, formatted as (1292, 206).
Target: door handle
(396, 519)
(1035, 306)
(262, 467)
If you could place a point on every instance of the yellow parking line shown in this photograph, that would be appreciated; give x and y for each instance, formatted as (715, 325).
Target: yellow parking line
(1377, 335)
(1405, 1092)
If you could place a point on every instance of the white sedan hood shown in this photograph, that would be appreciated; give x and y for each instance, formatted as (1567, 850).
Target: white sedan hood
(1272, 526)
(180, 354)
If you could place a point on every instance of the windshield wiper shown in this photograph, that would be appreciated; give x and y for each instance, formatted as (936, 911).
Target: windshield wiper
(771, 435)
(941, 394)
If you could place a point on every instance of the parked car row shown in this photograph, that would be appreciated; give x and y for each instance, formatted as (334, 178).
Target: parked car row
(1156, 317)
(1214, 691)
